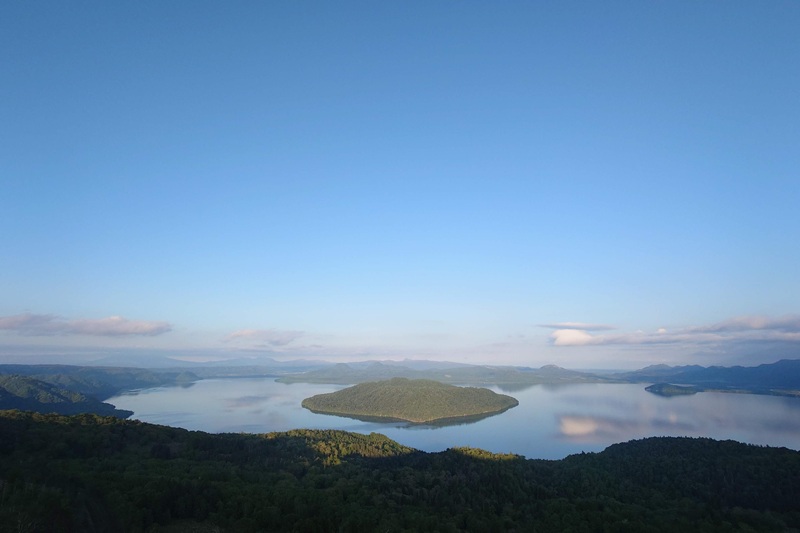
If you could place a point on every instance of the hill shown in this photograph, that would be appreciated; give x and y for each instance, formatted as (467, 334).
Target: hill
(20, 392)
(99, 382)
(781, 378)
(90, 473)
(417, 401)
(667, 389)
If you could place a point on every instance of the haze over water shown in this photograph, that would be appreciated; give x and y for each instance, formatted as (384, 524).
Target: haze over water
(550, 422)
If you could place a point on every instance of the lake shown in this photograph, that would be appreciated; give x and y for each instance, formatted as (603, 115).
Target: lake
(550, 422)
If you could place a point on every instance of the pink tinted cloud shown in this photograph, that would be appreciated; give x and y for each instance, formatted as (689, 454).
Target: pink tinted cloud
(113, 326)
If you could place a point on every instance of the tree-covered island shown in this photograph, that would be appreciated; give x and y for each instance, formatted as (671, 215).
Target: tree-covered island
(412, 400)
(668, 389)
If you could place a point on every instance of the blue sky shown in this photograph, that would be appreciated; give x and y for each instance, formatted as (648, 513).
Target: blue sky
(580, 183)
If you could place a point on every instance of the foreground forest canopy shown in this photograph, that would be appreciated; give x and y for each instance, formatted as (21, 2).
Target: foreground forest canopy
(92, 473)
(411, 400)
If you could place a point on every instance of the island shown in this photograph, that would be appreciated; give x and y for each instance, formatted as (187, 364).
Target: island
(668, 389)
(419, 401)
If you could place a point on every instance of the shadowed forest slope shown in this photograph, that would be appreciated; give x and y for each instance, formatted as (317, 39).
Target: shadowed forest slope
(25, 393)
(91, 473)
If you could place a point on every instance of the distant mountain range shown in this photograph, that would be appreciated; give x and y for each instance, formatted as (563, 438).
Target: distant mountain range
(51, 388)
(159, 362)
(782, 377)
(348, 374)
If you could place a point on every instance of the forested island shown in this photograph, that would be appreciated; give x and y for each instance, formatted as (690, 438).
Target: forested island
(410, 400)
(668, 389)
(94, 474)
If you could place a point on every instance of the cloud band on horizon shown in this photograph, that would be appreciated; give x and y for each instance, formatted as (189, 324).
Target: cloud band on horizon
(114, 326)
(579, 326)
(272, 337)
(748, 328)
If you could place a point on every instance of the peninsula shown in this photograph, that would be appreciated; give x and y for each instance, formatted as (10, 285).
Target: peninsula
(412, 400)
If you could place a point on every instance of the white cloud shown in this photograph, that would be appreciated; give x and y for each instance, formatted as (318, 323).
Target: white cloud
(572, 337)
(113, 326)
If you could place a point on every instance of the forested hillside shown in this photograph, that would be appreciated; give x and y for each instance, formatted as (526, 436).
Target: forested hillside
(99, 382)
(24, 393)
(90, 473)
(412, 400)
(780, 378)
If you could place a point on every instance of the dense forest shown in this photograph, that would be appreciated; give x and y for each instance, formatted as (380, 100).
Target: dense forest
(99, 382)
(92, 473)
(667, 389)
(25, 393)
(412, 400)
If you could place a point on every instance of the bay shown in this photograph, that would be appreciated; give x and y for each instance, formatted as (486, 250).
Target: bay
(550, 422)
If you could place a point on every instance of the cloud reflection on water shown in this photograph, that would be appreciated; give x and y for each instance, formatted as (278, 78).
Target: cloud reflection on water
(707, 414)
(591, 428)
(550, 422)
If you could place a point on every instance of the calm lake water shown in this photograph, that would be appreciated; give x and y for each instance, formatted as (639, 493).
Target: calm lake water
(550, 422)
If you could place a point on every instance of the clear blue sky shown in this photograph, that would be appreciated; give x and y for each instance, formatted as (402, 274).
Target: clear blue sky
(589, 184)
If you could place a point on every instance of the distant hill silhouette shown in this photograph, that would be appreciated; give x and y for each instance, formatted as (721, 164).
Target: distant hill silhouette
(782, 376)
(348, 374)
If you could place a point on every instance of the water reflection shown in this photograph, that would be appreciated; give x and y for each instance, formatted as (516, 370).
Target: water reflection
(619, 417)
(436, 424)
(549, 422)
(136, 392)
(595, 428)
